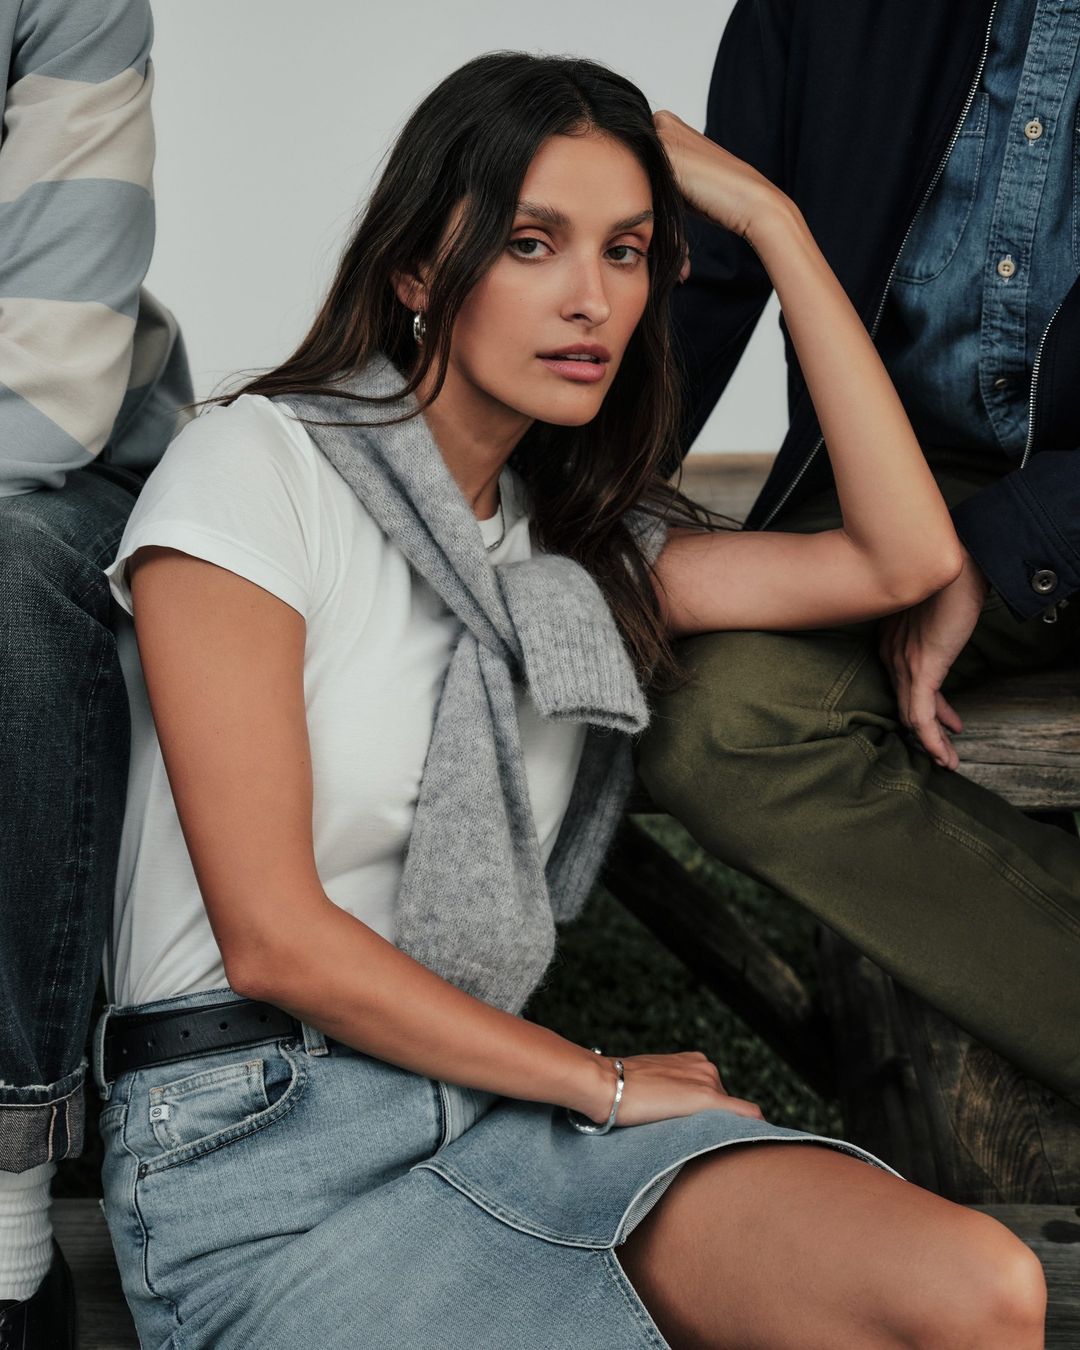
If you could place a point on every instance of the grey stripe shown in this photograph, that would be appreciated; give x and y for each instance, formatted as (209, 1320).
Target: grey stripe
(149, 417)
(36, 452)
(89, 40)
(79, 239)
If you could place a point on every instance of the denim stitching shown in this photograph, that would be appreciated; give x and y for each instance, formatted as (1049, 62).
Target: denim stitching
(633, 1301)
(473, 1191)
(40, 1106)
(137, 1211)
(200, 1148)
(977, 132)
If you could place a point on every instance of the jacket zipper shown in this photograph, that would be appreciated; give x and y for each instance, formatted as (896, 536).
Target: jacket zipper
(1034, 385)
(896, 261)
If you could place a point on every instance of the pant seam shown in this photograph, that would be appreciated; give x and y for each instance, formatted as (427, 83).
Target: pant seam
(650, 1332)
(834, 718)
(972, 843)
(137, 1211)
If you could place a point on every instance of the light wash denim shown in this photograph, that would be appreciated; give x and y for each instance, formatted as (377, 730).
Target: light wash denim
(300, 1195)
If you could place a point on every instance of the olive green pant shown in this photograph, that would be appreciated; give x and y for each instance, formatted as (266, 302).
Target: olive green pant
(783, 755)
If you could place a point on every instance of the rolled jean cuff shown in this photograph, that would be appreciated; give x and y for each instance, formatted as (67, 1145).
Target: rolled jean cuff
(42, 1123)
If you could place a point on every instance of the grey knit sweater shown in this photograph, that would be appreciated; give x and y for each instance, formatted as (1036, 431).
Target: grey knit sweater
(476, 903)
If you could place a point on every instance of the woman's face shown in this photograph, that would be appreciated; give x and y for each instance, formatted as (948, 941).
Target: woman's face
(543, 332)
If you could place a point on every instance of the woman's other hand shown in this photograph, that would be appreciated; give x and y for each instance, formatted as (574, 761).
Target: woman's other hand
(661, 1087)
(716, 184)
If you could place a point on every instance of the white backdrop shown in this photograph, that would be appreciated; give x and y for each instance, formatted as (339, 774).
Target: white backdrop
(272, 118)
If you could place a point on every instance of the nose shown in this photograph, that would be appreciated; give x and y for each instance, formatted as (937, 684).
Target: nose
(586, 297)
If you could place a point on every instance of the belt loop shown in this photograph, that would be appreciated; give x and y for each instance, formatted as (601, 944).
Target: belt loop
(98, 1065)
(314, 1041)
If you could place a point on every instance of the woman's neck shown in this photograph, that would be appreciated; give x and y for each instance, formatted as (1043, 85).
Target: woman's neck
(476, 435)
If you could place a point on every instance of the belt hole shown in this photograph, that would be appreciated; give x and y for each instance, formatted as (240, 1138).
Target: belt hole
(224, 1026)
(263, 1017)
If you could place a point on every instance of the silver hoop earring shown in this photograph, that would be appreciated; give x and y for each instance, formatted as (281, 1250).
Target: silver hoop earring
(419, 327)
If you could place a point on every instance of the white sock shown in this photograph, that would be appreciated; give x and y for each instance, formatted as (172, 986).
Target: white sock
(25, 1230)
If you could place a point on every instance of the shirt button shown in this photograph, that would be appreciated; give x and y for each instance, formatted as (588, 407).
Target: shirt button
(1006, 267)
(1034, 129)
(1044, 581)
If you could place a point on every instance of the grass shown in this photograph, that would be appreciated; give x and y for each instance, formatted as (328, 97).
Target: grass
(613, 985)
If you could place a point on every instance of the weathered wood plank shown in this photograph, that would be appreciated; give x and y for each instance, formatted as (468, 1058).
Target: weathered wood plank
(1031, 787)
(104, 1320)
(997, 1135)
(1021, 738)
(879, 1097)
(717, 946)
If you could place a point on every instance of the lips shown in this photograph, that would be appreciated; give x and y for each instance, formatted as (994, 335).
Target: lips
(593, 352)
(582, 362)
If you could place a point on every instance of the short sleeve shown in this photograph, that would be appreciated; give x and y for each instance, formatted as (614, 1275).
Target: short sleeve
(238, 488)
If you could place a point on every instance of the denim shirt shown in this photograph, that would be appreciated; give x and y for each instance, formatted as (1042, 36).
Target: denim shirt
(997, 245)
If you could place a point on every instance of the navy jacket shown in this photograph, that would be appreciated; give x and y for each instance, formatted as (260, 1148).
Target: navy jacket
(850, 107)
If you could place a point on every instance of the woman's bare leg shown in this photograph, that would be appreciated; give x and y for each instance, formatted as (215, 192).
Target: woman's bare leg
(796, 1247)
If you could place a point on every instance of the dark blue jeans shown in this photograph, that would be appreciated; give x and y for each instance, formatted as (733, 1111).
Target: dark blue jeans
(64, 739)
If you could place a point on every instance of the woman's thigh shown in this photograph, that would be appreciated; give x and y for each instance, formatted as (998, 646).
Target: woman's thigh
(778, 1246)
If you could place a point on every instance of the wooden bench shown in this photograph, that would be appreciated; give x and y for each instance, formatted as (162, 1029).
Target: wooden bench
(914, 1088)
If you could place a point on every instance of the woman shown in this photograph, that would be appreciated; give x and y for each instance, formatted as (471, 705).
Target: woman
(362, 629)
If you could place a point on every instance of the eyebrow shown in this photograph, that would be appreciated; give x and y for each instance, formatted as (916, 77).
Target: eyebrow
(550, 216)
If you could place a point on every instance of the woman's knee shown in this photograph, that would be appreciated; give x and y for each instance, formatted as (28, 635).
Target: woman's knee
(987, 1292)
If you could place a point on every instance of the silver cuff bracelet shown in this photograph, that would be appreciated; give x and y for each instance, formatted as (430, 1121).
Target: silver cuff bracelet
(584, 1125)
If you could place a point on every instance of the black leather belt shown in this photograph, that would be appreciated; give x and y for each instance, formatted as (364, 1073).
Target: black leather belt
(138, 1040)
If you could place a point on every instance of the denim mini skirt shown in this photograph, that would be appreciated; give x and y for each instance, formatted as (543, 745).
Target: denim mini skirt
(300, 1195)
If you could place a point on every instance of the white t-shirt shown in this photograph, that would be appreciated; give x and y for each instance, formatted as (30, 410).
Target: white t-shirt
(245, 487)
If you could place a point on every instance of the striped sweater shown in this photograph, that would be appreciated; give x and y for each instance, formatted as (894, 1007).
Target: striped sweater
(90, 363)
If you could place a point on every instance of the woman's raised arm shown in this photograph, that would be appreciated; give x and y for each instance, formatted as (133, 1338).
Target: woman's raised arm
(223, 661)
(897, 544)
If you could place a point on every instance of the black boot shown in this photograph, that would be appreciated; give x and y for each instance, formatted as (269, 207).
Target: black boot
(45, 1320)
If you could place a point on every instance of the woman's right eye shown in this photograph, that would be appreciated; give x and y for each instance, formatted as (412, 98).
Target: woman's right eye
(521, 247)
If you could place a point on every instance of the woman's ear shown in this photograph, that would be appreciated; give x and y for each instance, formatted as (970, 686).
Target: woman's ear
(409, 289)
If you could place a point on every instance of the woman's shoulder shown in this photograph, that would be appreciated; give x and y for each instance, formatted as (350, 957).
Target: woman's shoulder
(252, 434)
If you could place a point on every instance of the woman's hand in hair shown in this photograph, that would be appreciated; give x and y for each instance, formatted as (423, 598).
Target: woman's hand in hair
(660, 1087)
(715, 183)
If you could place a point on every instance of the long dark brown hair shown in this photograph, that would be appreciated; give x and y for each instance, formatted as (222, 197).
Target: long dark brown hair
(470, 143)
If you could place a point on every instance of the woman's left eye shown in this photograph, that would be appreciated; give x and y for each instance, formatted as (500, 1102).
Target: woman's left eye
(631, 256)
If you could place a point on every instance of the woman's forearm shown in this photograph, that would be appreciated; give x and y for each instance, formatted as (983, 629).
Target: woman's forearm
(891, 506)
(333, 972)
